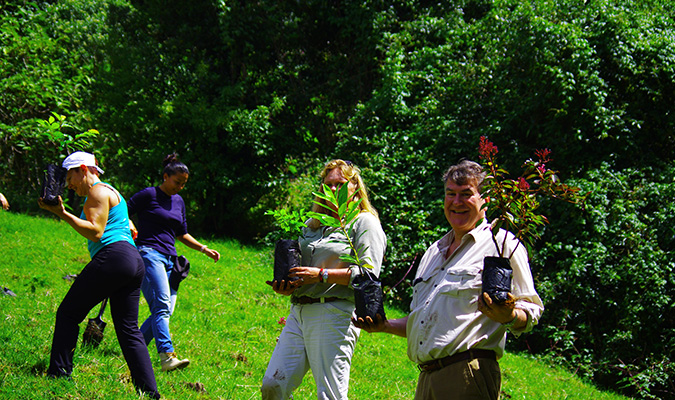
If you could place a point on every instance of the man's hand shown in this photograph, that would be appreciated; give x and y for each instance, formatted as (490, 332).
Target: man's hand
(502, 313)
(369, 325)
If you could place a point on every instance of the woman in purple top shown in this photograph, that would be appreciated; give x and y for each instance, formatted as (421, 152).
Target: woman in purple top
(162, 220)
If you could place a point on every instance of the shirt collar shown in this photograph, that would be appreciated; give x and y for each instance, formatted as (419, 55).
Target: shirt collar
(481, 230)
(476, 234)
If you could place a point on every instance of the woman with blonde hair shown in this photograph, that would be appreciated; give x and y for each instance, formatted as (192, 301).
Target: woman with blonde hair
(318, 334)
(352, 174)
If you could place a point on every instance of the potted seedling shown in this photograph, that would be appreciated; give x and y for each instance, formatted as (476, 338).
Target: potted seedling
(53, 183)
(513, 205)
(60, 138)
(287, 253)
(368, 296)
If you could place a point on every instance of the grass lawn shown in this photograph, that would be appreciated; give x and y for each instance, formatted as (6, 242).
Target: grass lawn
(225, 323)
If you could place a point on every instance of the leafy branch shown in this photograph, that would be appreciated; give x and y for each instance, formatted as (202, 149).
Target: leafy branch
(515, 201)
(55, 128)
(290, 223)
(346, 209)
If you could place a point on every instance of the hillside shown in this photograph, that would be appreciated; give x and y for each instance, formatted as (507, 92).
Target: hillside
(226, 323)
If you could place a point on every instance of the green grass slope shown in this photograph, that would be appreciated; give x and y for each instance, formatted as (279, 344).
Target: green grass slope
(226, 323)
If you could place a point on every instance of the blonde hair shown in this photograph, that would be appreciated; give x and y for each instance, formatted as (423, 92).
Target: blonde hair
(353, 174)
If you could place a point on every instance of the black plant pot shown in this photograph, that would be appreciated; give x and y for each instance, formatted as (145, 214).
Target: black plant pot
(497, 274)
(53, 182)
(368, 296)
(286, 256)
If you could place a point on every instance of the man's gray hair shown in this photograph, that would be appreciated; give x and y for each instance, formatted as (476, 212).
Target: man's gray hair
(465, 173)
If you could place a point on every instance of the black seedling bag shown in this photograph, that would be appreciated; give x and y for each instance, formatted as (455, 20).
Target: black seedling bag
(53, 183)
(286, 256)
(368, 295)
(497, 274)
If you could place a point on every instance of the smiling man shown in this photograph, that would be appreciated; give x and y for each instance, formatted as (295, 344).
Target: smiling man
(455, 332)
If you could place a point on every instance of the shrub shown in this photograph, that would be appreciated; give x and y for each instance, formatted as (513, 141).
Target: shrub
(606, 277)
(49, 59)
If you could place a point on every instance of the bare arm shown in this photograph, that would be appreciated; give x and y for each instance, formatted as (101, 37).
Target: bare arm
(96, 210)
(192, 243)
(308, 276)
(311, 275)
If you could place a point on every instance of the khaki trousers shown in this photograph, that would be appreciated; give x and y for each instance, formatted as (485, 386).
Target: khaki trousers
(319, 336)
(477, 379)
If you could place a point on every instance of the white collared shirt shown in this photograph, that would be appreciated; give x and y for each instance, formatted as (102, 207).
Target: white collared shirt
(444, 317)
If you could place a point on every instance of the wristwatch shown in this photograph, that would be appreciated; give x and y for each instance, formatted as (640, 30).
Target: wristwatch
(324, 276)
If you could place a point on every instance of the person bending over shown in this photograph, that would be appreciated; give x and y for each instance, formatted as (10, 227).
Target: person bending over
(115, 272)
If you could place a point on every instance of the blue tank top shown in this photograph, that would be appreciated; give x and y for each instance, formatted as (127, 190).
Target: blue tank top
(116, 228)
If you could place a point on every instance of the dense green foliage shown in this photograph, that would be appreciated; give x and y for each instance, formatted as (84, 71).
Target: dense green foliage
(48, 61)
(607, 280)
(252, 94)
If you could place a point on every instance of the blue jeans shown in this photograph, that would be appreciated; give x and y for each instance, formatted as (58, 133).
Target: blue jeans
(160, 297)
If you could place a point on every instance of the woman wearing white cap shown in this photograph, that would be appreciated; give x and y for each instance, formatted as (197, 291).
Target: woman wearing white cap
(115, 271)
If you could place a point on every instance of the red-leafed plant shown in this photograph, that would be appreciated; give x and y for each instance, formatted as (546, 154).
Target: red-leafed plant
(513, 202)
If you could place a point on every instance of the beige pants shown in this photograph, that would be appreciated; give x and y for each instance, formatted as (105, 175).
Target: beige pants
(478, 379)
(318, 336)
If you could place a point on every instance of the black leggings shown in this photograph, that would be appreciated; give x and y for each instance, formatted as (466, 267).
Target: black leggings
(115, 272)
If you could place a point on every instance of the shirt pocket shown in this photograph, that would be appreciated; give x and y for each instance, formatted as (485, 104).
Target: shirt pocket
(464, 281)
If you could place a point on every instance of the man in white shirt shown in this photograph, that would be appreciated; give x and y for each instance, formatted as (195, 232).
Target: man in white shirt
(455, 332)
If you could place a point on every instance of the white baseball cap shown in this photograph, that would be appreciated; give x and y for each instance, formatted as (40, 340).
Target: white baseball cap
(80, 158)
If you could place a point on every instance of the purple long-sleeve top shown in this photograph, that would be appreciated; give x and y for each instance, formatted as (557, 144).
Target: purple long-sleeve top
(160, 219)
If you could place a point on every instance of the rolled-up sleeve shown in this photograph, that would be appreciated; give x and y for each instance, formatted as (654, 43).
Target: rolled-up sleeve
(370, 241)
(523, 289)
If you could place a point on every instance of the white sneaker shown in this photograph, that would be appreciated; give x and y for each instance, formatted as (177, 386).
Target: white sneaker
(170, 361)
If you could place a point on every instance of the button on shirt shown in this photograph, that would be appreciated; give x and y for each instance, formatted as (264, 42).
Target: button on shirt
(444, 317)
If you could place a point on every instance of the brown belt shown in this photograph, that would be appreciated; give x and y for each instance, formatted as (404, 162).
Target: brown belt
(465, 355)
(312, 300)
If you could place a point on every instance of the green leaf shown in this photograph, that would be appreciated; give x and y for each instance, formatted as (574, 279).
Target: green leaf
(343, 195)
